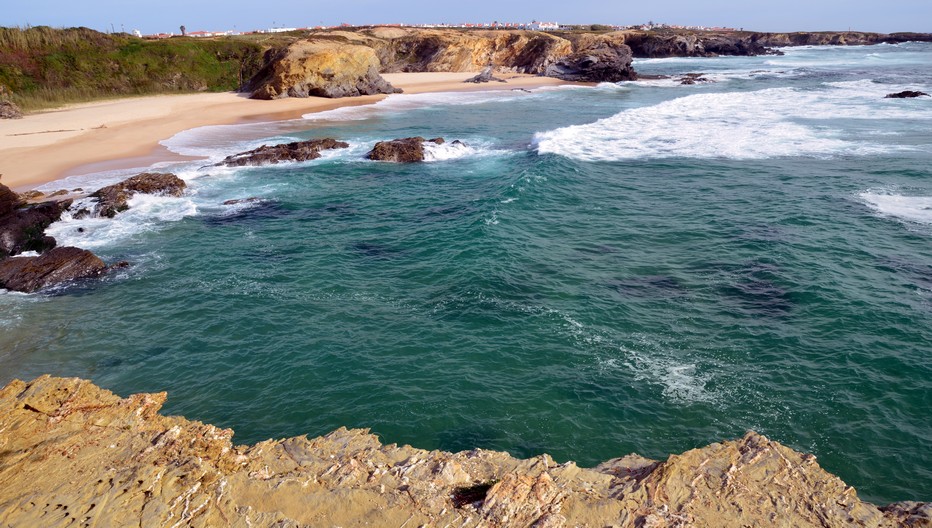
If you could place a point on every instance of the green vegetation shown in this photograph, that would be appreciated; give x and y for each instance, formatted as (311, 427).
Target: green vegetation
(46, 67)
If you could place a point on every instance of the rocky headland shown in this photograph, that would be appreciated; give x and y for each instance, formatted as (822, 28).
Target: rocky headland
(347, 62)
(73, 454)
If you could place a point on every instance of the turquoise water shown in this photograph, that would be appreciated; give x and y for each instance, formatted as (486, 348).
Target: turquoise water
(644, 267)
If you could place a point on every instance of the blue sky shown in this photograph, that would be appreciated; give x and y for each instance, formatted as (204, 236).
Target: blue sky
(167, 15)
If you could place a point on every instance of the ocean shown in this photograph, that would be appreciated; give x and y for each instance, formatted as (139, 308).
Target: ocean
(638, 267)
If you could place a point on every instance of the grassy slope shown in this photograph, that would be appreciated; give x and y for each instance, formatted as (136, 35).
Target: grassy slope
(45, 67)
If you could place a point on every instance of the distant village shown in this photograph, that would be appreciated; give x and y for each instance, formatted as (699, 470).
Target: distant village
(530, 26)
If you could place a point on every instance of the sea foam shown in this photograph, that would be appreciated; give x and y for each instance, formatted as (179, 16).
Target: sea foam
(146, 213)
(916, 209)
(768, 123)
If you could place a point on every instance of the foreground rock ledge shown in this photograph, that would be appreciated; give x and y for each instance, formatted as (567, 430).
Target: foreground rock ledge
(73, 454)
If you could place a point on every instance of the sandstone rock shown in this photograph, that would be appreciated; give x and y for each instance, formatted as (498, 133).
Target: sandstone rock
(113, 198)
(404, 150)
(484, 77)
(602, 64)
(297, 151)
(319, 68)
(75, 453)
(906, 94)
(9, 110)
(29, 274)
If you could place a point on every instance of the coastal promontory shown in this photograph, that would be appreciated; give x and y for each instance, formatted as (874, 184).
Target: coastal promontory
(74, 454)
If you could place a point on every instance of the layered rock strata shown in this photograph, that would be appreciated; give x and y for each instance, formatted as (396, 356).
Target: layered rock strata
(72, 453)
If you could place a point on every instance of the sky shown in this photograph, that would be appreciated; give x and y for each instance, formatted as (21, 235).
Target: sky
(167, 16)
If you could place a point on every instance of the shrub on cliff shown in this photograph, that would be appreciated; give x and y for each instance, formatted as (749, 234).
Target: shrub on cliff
(46, 67)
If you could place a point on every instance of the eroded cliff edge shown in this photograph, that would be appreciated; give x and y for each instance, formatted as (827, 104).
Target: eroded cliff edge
(73, 454)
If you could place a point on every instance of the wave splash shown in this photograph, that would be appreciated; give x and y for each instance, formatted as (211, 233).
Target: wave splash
(775, 122)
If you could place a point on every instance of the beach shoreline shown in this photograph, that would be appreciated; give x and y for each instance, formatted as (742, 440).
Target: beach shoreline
(126, 133)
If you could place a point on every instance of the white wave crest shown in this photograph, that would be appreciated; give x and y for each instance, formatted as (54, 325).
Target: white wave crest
(735, 125)
(146, 213)
(457, 149)
(916, 209)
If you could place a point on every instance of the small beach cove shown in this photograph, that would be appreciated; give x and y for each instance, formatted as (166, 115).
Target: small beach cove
(125, 133)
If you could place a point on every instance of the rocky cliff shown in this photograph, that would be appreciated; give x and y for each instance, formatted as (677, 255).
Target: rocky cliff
(73, 454)
(338, 63)
(319, 68)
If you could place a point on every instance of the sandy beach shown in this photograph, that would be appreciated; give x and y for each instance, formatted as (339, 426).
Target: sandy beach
(125, 133)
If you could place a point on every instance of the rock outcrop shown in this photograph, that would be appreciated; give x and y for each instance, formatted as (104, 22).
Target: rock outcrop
(601, 64)
(906, 94)
(486, 75)
(113, 198)
(655, 44)
(9, 110)
(22, 227)
(73, 453)
(61, 264)
(330, 63)
(319, 68)
(270, 154)
(404, 150)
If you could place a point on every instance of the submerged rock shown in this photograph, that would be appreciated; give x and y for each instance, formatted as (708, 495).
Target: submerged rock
(297, 151)
(906, 94)
(693, 78)
(113, 198)
(136, 466)
(404, 150)
(62, 264)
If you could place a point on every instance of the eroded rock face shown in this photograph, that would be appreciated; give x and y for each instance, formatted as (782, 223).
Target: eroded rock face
(696, 44)
(297, 151)
(906, 94)
(113, 198)
(600, 64)
(61, 264)
(319, 68)
(404, 150)
(75, 452)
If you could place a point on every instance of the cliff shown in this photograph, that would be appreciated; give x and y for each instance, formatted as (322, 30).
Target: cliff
(334, 63)
(72, 453)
